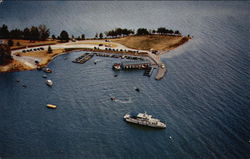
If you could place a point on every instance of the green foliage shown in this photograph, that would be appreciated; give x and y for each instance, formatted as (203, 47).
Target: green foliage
(44, 32)
(100, 35)
(16, 34)
(53, 37)
(26, 34)
(119, 32)
(4, 32)
(5, 54)
(142, 31)
(50, 50)
(64, 36)
(10, 42)
(33, 33)
(83, 37)
(163, 30)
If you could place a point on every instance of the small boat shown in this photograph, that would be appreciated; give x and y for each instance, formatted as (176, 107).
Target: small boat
(17, 80)
(44, 76)
(117, 66)
(51, 106)
(24, 86)
(137, 89)
(115, 75)
(113, 98)
(49, 82)
(39, 68)
(47, 70)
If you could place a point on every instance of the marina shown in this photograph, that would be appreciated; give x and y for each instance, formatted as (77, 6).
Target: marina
(198, 89)
(134, 63)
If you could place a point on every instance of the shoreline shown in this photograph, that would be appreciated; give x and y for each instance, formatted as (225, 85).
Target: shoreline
(46, 58)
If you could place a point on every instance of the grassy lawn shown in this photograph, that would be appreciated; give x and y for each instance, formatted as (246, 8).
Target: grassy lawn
(155, 42)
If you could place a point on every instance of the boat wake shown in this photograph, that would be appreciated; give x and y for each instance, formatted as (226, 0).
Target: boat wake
(129, 100)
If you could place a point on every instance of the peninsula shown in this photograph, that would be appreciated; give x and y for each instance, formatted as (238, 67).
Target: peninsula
(28, 54)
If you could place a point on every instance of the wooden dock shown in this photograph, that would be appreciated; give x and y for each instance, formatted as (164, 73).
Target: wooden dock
(135, 64)
(83, 58)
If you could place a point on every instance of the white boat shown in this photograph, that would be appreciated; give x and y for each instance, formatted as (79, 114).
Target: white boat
(144, 119)
(49, 82)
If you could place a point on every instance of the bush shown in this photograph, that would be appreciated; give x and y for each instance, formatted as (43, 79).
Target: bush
(50, 50)
(5, 54)
(10, 42)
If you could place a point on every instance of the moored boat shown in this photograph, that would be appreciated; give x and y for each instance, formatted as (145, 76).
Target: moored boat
(117, 66)
(51, 106)
(49, 82)
(47, 70)
(144, 119)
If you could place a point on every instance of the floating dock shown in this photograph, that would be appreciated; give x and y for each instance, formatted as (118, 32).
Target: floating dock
(148, 72)
(84, 58)
(135, 64)
(161, 72)
(119, 56)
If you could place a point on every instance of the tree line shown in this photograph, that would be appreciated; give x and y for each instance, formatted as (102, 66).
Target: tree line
(34, 33)
(120, 32)
(5, 54)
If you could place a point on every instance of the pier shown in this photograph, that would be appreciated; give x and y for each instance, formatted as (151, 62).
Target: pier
(162, 69)
(148, 72)
(84, 58)
(161, 72)
(135, 64)
(119, 56)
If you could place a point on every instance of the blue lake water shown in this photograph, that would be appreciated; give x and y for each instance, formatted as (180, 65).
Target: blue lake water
(204, 98)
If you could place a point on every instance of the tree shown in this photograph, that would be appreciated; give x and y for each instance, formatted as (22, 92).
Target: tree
(177, 32)
(26, 34)
(83, 37)
(64, 36)
(100, 35)
(10, 42)
(16, 34)
(171, 31)
(96, 35)
(5, 54)
(119, 32)
(162, 30)
(4, 32)
(50, 50)
(78, 38)
(53, 37)
(142, 31)
(44, 32)
(34, 33)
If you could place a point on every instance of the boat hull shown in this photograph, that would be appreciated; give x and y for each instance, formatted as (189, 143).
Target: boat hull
(145, 123)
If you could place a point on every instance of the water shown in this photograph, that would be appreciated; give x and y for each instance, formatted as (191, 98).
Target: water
(204, 98)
